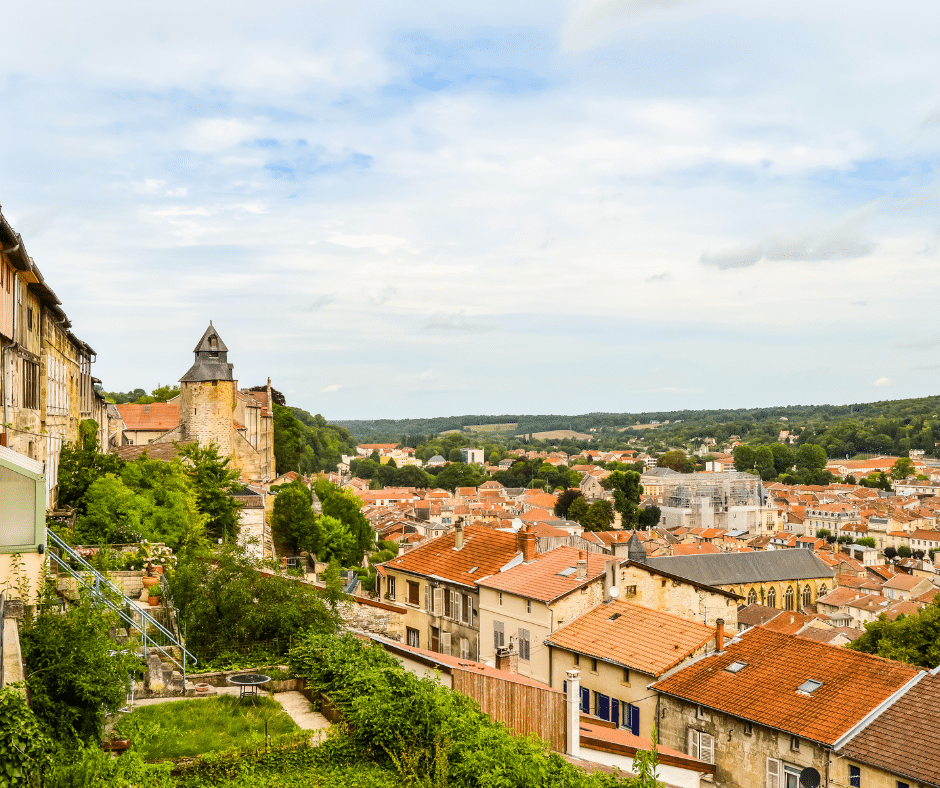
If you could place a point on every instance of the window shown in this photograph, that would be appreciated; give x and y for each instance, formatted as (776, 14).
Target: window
(807, 596)
(414, 637)
(752, 597)
(748, 729)
(577, 659)
(788, 599)
(626, 675)
(467, 609)
(448, 603)
(435, 639)
(809, 686)
(500, 597)
(390, 587)
(594, 665)
(823, 590)
(772, 597)
(855, 777)
(524, 644)
(795, 743)
(702, 746)
(902, 785)
(414, 591)
(499, 634)
(464, 648)
(30, 385)
(736, 667)
(29, 318)
(631, 718)
(528, 606)
(700, 713)
(602, 706)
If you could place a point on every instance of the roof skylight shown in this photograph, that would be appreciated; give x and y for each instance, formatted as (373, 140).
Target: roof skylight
(471, 571)
(568, 572)
(809, 686)
(614, 617)
(736, 667)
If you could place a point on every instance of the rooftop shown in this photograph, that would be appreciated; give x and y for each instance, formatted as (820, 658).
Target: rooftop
(767, 690)
(548, 577)
(733, 568)
(156, 417)
(636, 637)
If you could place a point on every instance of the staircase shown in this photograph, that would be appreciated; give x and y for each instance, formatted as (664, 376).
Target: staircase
(157, 641)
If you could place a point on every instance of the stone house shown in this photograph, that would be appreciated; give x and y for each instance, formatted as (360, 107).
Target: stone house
(771, 705)
(523, 605)
(620, 648)
(903, 586)
(436, 582)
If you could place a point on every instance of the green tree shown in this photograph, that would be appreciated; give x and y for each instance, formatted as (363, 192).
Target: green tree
(914, 639)
(810, 457)
(75, 676)
(904, 551)
(599, 516)
(293, 520)
(626, 487)
(676, 459)
(81, 465)
(867, 541)
(335, 542)
(346, 507)
(890, 553)
(564, 501)
(903, 467)
(650, 516)
(214, 482)
(578, 509)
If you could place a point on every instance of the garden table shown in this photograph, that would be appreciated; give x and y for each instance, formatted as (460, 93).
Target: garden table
(248, 684)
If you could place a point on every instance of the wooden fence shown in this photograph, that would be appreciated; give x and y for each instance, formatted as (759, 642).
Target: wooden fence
(524, 709)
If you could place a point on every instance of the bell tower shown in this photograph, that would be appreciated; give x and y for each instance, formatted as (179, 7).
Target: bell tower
(207, 396)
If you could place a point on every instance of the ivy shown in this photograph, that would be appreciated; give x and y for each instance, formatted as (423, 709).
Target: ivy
(24, 748)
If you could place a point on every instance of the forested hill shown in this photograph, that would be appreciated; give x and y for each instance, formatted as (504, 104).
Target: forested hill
(914, 420)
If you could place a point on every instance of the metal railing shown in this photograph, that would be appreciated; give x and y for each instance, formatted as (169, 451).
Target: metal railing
(153, 633)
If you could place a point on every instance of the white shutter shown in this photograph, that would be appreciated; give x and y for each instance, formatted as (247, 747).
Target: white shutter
(445, 643)
(427, 598)
(707, 747)
(438, 601)
(773, 773)
(693, 743)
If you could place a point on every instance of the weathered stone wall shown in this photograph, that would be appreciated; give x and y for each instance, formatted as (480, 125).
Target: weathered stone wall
(366, 618)
(678, 598)
(206, 412)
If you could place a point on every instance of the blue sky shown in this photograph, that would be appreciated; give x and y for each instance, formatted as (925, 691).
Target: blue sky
(400, 210)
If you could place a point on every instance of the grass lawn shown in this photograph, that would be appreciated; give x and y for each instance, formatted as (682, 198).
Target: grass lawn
(185, 728)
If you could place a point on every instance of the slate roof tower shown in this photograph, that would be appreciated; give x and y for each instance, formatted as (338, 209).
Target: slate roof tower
(207, 395)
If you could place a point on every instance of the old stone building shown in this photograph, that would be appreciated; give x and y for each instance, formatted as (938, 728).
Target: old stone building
(209, 409)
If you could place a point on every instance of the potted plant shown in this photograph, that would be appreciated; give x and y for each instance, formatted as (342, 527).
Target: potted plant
(154, 597)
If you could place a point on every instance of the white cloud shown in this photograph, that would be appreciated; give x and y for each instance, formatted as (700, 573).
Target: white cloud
(883, 382)
(149, 186)
(333, 387)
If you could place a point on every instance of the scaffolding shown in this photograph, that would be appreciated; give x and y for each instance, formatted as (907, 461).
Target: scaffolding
(719, 491)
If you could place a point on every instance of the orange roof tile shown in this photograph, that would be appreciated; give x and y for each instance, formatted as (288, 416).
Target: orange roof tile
(633, 636)
(540, 579)
(694, 549)
(766, 690)
(484, 552)
(157, 417)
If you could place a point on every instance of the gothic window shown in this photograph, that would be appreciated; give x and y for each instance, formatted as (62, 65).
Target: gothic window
(822, 590)
(807, 596)
(752, 597)
(788, 599)
(772, 597)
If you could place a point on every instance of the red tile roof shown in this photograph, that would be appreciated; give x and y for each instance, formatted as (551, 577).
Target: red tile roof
(903, 739)
(540, 580)
(766, 690)
(485, 551)
(694, 549)
(636, 637)
(157, 417)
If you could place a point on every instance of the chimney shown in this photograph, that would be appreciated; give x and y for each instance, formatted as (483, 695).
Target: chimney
(573, 715)
(507, 658)
(720, 635)
(582, 564)
(458, 536)
(528, 545)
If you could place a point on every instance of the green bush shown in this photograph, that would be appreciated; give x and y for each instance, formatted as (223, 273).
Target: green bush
(24, 748)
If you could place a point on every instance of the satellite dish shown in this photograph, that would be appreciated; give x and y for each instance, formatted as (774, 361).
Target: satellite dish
(614, 592)
(809, 778)
(516, 524)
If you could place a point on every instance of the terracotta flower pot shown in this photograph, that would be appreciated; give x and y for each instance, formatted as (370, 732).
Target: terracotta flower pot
(154, 601)
(150, 581)
(159, 569)
(115, 745)
(201, 688)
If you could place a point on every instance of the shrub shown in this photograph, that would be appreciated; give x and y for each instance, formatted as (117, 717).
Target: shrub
(24, 748)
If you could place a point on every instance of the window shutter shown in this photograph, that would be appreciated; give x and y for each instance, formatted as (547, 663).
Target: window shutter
(693, 743)
(773, 773)
(707, 747)
(499, 634)
(427, 598)
(445, 642)
(438, 601)
(634, 719)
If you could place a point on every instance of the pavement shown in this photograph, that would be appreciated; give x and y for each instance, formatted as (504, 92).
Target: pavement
(297, 707)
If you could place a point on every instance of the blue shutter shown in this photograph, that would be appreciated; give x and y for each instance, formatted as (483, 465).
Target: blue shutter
(615, 711)
(603, 706)
(585, 700)
(564, 686)
(634, 723)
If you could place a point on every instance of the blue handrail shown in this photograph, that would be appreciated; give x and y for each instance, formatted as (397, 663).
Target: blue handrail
(100, 584)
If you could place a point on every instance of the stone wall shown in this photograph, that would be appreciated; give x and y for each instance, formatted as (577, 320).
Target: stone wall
(206, 411)
(367, 618)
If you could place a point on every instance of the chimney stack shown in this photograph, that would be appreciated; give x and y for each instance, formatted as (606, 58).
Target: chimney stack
(528, 545)
(720, 635)
(573, 726)
(582, 564)
(458, 536)
(507, 658)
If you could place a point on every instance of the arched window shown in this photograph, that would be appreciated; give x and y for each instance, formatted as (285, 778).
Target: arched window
(807, 596)
(772, 597)
(788, 599)
(752, 597)
(822, 590)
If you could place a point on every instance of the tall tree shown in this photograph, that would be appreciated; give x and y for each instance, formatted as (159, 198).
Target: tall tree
(293, 519)
(626, 487)
(214, 482)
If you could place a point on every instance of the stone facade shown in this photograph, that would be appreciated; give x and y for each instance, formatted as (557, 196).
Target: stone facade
(377, 620)
(673, 595)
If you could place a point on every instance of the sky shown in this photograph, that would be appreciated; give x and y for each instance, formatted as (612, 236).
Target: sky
(417, 209)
